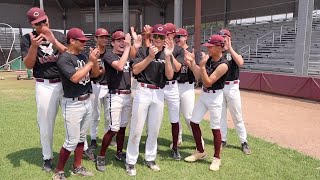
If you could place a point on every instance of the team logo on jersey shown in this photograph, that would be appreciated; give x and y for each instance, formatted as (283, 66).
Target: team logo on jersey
(184, 69)
(228, 57)
(47, 49)
(86, 78)
(126, 68)
(47, 53)
(159, 60)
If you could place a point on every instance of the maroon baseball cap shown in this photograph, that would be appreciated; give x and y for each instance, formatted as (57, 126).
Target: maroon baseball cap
(102, 32)
(159, 29)
(118, 35)
(76, 33)
(224, 32)
(36, 15)
(181, 32)
(171, 28)
(215, 40)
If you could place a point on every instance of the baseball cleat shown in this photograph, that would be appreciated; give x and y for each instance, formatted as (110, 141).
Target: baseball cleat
(196, 156)
(59, 176)
(88, 154)
(101, 163)
(152, 165)
(175, 154)
(245, 148)
(81, 171)
(131, 169)
(215, 165)
(120, 156)
(47, 165)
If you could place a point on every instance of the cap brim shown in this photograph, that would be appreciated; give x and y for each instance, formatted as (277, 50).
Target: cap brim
(159, 34)
(83, 39)
(104, 35)
(207, 44)
(181, 34)
(39, 19)
(119, 38)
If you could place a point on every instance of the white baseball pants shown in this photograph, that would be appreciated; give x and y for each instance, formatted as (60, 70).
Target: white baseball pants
(147, 106)
(99, 98)
(48, 96)
(120, 107)
(77, 116)
(187, 95)
(232, 101)
(212, 102)
(171, 96)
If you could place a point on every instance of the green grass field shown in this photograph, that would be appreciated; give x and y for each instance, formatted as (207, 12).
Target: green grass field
(20, 152)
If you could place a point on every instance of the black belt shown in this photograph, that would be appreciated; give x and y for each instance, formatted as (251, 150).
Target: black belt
(49, 80)
(117, 91)
(81, 98)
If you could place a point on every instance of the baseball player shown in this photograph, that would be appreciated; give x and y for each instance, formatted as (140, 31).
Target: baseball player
(171, 93)
(213, 70)
(40, 50)
(75, 69)
(99, 97)
(231, 93)
(152, 67)
(186, 78)
(120, 100)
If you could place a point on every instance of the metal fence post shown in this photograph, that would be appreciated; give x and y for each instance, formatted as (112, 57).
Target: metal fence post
(272, 39)
(257, 47)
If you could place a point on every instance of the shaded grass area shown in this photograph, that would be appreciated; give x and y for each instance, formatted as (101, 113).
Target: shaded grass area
(20, 152)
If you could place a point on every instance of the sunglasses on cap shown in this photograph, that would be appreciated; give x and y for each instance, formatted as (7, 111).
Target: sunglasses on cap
(156, 36)
(40, 23)
(223, 34)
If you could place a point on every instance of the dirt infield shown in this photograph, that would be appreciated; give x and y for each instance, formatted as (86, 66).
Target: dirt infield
(289, 122)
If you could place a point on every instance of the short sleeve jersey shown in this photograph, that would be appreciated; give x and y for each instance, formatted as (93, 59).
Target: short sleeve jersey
(186, 75)
(211, 66)
(47, 55)
(178, 53)
(103, 77)
(117, 79)
(233, 71)
(154, 73)
(68, 64)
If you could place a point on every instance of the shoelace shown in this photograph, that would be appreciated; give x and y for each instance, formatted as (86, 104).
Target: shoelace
(100, 161)
(80, 169)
